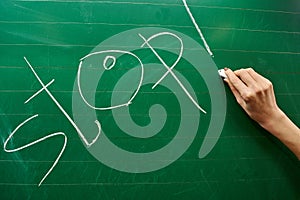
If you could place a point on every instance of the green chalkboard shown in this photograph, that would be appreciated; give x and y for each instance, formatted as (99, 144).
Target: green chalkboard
(121, 99)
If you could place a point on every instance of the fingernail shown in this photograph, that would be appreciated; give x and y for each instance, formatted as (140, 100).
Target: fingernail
(225, 68)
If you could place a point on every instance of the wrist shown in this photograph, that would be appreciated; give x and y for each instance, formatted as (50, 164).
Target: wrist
(275, 121)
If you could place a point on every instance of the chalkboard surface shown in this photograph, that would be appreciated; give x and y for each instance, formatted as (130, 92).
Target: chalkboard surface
(121, 99)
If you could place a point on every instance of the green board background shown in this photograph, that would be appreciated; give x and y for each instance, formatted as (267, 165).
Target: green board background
(246, 162)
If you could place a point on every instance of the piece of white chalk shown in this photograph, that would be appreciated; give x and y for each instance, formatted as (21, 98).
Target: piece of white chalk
(222, 73)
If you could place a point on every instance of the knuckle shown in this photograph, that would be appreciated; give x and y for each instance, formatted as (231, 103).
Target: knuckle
(257, 91)
(250, 69)
(248, 96)
(268, 86)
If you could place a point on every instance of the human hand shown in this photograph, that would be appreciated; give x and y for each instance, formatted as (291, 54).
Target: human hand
(255, 95)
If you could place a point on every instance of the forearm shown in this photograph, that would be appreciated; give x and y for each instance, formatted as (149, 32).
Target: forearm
(285, 130)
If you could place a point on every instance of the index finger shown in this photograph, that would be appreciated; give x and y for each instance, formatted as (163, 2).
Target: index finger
(237, 83)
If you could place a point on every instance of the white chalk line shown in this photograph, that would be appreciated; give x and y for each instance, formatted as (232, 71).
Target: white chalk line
(132, 24)
(35, 94)
(114, 60)
(106, 60)
(165, 4)
(197, 28)
(35, 142)
(177, 60)
(172, 73)
(64, 112)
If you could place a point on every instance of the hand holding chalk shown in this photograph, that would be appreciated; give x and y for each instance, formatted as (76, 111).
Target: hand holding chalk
(256, 96)
(254, 93)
